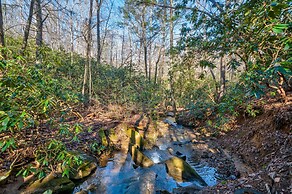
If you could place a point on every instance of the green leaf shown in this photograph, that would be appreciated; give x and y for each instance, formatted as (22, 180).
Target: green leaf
(48, 192)
(66, 172)
(5, 124)
(277, 30)
(287, 46)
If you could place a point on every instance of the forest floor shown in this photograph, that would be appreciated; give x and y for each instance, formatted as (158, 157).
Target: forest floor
(254, 157)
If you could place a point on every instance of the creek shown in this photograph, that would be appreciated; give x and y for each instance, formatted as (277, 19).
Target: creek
(123, 175)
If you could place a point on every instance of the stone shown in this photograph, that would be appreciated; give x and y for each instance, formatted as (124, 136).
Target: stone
(103, 138)
(52, 182)
(84, 170)
(171, 121)
(145, 184)
(90, 189)
(135, 138)
(277, 179)
(139, 158)
(181, 171)
(87, 166)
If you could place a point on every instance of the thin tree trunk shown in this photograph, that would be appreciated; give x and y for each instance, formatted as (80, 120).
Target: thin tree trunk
(72, 37)
(156, 65)
(2, 37)
(145, 59)
(39, 35)
(87, 69)
(140, 51)
(27, 27)
(163, 31)
(131, 54)
(111, 50)
(106, 29)
(123, 47)
(117, 64)
(171, 25)
(144, 40)
(149, 62)
(98, 3)
(171, 57)
(222, 78)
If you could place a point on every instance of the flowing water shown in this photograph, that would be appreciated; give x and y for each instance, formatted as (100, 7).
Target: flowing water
(121, 175)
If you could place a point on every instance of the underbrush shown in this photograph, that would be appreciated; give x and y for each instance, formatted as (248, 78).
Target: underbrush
(38, 101)
(245, 97)
(31, 99)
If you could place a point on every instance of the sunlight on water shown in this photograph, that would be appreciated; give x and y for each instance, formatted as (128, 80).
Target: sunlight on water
(155, 157)
(208, 174)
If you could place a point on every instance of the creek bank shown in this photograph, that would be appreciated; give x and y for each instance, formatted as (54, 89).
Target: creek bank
(53, 182)
(260, 147)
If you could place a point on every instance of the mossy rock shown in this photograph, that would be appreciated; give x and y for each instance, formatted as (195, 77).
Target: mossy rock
(139, 158)
(136, 138)
(52, 182)
(87, 166)
(83, 170)
(181, 171)
(113, 136)
(103, 138)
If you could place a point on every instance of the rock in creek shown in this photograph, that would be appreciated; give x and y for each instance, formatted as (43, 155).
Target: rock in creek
(135, 138)
(90, 189)
(144, 185)
(139, 158)
(52, 182)
(181, 171)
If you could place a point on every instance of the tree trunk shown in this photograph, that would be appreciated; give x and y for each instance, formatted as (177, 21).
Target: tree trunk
(27, 27)
(131, 54)
(111, 50)
(222, 78)
(39, 35)
(87, 69)
(123, 47)
(171, 24)
(156, 65)
(144, 40)
(98, 3)
(72, 37)
(106, 29)
(171, 57)
(2, 37)
(163, 32)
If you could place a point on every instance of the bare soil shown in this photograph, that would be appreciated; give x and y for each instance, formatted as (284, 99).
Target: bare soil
(264, 145)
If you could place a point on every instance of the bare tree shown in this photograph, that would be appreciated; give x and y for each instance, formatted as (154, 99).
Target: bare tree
(27, 27)
(39, 35)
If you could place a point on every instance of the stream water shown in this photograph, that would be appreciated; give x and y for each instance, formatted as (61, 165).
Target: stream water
(121, 175)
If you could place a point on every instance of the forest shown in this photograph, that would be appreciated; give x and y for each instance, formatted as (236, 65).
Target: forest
(145, 96)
